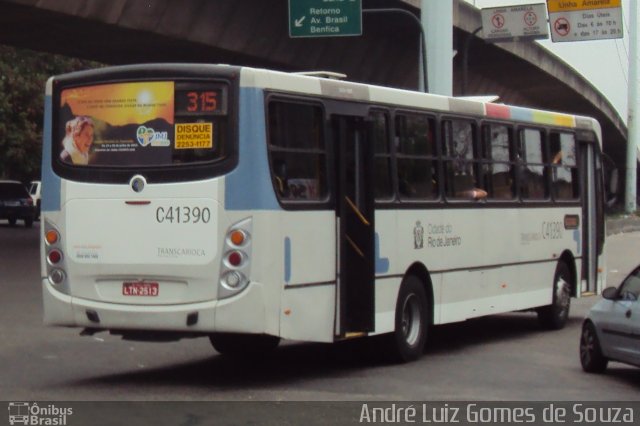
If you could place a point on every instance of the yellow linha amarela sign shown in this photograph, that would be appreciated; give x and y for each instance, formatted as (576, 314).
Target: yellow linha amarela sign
(572, 5)
(194, 135)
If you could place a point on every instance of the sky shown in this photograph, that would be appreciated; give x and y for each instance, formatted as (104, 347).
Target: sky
(605, 63)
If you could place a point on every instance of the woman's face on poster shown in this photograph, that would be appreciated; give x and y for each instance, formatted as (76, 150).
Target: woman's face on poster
(84, 139)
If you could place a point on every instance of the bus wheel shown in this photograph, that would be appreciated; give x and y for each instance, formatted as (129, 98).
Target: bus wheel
(28, 222)
(12, 221)
(591, 356)
(407, 342)
(555, 315)
(243, 345)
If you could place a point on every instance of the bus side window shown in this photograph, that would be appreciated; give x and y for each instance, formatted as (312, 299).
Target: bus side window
(460, 160)
(382, 156)
(297, 151)
(499, 168)
(532, 170)
(564, 167)
(416, 157)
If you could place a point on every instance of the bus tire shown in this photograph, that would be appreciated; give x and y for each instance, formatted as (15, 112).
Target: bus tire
(243, 345)
(12, 221)
(28, 222)
(591, 357)
(407, 341)
(555, 315)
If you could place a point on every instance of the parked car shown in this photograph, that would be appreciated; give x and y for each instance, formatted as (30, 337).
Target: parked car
(611, 330)
(34, 191)
(16, 203)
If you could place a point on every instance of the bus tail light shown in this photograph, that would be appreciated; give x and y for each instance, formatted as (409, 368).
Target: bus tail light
(235, 266)
(57, 276)
(234, 259)
(51, 237)
(232, 279)
(237, 237)
(54, 258)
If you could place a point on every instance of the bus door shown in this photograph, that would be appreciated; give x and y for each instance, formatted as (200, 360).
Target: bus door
(590, 197)
(355, 228)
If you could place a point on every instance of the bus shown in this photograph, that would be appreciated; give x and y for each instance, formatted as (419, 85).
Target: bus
(249, 205)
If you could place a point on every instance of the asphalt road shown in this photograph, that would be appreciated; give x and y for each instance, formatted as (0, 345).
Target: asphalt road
(500, 358)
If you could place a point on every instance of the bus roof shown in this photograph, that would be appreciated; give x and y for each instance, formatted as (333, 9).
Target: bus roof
(346, 90)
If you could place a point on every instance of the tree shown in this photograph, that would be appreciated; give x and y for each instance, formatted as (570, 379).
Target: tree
(23, 75)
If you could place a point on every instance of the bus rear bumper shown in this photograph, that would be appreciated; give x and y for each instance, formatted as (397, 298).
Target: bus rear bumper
(244, 313)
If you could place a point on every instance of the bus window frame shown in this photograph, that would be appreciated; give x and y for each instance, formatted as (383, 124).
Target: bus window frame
(513, 159)
(437, 159)
(328, 202)
(579, 167)
(393, 166)
(545, 164)
(599, 187)
(396, 201)
(476, 159)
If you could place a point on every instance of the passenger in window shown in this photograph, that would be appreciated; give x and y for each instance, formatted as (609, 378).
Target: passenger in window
(77, 141)
(280, 173)
(473, 194)
(406, 188)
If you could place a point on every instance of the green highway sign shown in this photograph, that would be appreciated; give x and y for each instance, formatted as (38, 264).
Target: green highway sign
(325, 18)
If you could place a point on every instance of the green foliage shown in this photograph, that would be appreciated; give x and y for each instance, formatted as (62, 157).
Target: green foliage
(23, 75)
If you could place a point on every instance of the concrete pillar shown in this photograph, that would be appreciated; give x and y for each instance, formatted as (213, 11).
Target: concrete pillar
(437, 21)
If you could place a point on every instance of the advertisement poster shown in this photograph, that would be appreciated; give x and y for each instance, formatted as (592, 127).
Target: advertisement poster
(122, 124)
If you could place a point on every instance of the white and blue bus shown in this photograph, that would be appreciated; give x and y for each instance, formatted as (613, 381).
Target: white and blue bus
(250, 206)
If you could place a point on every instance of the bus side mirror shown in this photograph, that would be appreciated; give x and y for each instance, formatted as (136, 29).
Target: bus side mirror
(612, 180)
(614, 176)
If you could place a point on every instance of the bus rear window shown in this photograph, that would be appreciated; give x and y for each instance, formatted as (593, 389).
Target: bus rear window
(142, 124)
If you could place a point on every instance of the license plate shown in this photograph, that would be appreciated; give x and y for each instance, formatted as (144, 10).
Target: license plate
(12, 203)
(140, 288)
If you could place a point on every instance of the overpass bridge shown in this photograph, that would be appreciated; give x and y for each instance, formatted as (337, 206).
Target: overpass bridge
(255, 33)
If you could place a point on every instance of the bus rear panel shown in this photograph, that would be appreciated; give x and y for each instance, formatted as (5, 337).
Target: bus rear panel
(135, 234)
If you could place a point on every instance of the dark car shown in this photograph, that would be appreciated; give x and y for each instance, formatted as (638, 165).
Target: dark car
(16, 203)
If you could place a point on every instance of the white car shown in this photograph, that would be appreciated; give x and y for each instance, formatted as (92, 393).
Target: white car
(34, 191)
(611, 330)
